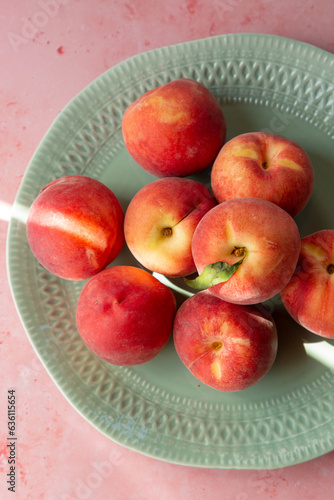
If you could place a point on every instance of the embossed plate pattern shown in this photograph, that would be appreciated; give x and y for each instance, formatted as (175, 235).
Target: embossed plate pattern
(159, 409)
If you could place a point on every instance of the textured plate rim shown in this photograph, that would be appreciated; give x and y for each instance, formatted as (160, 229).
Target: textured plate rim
(134, 61)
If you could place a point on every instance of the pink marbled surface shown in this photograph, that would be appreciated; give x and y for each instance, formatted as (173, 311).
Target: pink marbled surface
(61, 456)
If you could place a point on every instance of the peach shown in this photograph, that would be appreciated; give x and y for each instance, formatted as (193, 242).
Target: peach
(176, 129)
(75, 227)
(255, 245)
(226, 346)
(160, 222)
(125, 315)
(263, 165)
(309, 296)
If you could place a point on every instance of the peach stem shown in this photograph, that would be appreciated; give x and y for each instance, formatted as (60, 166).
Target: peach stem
(238, 251)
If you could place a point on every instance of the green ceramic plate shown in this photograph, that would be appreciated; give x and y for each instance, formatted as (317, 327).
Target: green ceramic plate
(159, 409)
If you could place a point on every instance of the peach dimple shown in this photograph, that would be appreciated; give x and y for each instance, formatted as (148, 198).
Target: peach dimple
(167, 110)
(216, 369)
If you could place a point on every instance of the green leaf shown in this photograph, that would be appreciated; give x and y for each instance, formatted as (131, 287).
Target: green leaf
(213, 274)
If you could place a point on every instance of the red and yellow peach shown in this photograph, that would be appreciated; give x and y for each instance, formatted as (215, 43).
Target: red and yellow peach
(176, 129)
(160, 222)
(309, 296)
(125, 315)
(256, 233)
(263, 165)
(226, 346)
(75, 227)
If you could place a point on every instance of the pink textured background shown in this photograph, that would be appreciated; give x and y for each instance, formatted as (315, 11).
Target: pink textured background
(60, 455)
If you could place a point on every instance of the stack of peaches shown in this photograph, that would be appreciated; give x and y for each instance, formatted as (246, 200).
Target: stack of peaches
(235, 243)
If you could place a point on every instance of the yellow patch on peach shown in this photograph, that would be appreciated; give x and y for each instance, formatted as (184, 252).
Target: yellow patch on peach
(240, 342)
(314, 250)
(216, 369)
(247, 153)
(206, 330)
(285, 162)
(168, 110)
(157, 235)
(91, 256)
(163, 249)
(229, 231)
